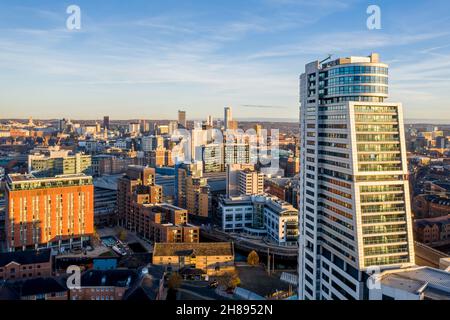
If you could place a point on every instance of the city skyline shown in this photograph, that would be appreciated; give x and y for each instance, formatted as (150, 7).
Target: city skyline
(247, 56)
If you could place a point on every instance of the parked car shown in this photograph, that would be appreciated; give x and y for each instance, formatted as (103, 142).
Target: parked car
(119, 250)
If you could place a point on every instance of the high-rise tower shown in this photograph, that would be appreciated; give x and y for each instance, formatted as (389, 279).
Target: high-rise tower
(227, 117)
(182, 118)
(354, 196)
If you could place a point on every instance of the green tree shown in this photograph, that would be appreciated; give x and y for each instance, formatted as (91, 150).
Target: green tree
(253, 258)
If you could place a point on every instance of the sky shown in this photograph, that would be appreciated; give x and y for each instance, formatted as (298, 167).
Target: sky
(147, 59)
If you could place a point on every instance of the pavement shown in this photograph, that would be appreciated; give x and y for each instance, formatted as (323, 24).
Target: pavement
(256, 279)
(198, 290)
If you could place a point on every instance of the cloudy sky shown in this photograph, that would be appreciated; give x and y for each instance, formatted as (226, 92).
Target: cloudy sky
(148, 58)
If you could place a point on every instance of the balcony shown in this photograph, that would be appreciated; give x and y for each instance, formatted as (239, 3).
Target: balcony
(378, 230)
(384, 251)
(390, 242)
(380, 220)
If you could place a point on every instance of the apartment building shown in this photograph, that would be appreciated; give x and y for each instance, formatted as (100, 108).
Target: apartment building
(54, 161)
(191, 189)
(165, 223)
(142, 210)
(260, 215)
(48, 212)
(136, 187)
(160, 157)
(243, 179)
(355, 210)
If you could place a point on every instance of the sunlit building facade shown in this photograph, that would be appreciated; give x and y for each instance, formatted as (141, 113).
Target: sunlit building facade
(53, 212)
(354, 195)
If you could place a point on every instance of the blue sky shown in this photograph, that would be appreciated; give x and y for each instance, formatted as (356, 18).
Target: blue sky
(147, 59)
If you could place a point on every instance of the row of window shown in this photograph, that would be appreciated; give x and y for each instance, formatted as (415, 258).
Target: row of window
(356, 89)
(357, 70)
(375, 109)
(356, 80)
(376, 118)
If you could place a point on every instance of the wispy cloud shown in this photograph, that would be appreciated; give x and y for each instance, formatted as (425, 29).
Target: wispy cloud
(255, 106)
(206, 59)
(338, 42)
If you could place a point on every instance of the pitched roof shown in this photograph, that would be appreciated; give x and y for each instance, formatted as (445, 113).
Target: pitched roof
(198, 249)
(108, 278)
(25, 257)
(149, 286)
(41, 286)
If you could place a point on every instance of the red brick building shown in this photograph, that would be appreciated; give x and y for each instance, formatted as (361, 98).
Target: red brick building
(48, 212)
(25, 264)
(141, 209)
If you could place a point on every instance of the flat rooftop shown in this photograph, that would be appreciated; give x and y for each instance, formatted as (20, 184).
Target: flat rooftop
(19, 177)
(198, 249)
(433, 283)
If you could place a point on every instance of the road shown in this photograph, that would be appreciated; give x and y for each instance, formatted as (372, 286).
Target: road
(197, 290)
(247, 244)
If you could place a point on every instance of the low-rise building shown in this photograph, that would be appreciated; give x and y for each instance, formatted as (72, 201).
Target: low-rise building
(25, 264)
(104, 284)
(211, 258)
(430, 206)
(439, 188)
(43, 289)
(415, 283)
(433, 231)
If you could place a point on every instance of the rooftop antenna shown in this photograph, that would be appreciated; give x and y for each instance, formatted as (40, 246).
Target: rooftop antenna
(327, 58)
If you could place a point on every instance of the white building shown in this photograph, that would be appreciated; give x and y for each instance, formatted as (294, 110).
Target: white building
(354, 195)
(243, 179)
(416, 283)
(260, 215)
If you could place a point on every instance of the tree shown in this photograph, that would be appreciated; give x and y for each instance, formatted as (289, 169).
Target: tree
(96, 237)
(234, 280)
(253, 258)
(230, 280)
(123, 235)
(174, 281)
